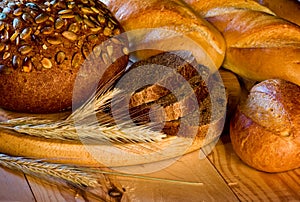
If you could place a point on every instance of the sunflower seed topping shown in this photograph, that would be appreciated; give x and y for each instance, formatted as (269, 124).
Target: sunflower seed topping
(105, 58)
(76, 60)
(110, 50)
(107, 31)
(18, 12)
(95, 10)
(17, 41)
(30, 30)
(71, 4)
(16, 62)
(60, 57)
(5, 36)
(117, 31)
(70, 35)
(46, 63)
(78, 18)
(33, 6)
(97, 51)
(25, 49)
(27, 65)
(41, 18)
(67, 16)
(101, 19)
(47, 30)
(16, 23)
(14, 36)
(96, 29)
(116, 41)
(27, 17)
(61, 12)
(73, 28)
(54, 40)
(125, 51)
(86, 10)
(59, 23)
(6, 55)
(88, 22)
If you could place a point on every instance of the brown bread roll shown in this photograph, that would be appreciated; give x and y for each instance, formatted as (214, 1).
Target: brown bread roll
(265, 131)
(44, 44)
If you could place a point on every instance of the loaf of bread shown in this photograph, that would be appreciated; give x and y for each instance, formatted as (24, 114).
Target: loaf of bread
(164, 25)
(186, 94)
(287, 9)
(260, 45)
(265, 131)
(45, 44)
(186, 131)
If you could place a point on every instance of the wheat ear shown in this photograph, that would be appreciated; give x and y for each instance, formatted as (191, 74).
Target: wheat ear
(83, 125)
(47, 170)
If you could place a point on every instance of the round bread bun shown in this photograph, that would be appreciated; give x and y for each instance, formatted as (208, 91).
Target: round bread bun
(43, 44)
(265, 131)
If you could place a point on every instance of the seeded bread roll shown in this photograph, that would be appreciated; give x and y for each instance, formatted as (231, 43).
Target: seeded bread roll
(44, 44)
(265, 131)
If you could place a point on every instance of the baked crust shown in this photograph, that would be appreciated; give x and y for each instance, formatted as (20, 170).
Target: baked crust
(265, 130)
(45, 44)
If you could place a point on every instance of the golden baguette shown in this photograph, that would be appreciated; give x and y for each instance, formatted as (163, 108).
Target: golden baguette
(174, 16)
(77, 153)
(259, 45)
(287, 9)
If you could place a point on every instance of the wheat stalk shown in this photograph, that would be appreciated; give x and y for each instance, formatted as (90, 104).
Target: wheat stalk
(47, 170)
(85, 126)
(78, 176)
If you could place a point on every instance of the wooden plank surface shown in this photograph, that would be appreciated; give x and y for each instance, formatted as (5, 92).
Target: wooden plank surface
(252, 185)
(14, 187)
(190, 178)
(219, 177)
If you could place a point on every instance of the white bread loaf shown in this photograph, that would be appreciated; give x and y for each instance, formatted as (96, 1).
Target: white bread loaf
(175, 26)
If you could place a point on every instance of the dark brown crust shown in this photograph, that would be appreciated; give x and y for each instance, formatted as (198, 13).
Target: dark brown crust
(184, 115)
(261, 143)
(46, 90)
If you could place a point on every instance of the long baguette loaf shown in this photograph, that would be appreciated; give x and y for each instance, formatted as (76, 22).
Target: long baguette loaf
(287, 9)
(168, 16)
(259, 45)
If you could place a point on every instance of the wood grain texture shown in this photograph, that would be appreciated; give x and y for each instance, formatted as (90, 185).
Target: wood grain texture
(200, 181)
(218, 176)
(252, 185)
(14, 187)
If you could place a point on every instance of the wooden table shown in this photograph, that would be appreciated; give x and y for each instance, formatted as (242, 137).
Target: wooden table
(219, 176)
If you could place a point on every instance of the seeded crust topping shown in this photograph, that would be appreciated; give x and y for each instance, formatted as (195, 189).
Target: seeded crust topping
(38, 35)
